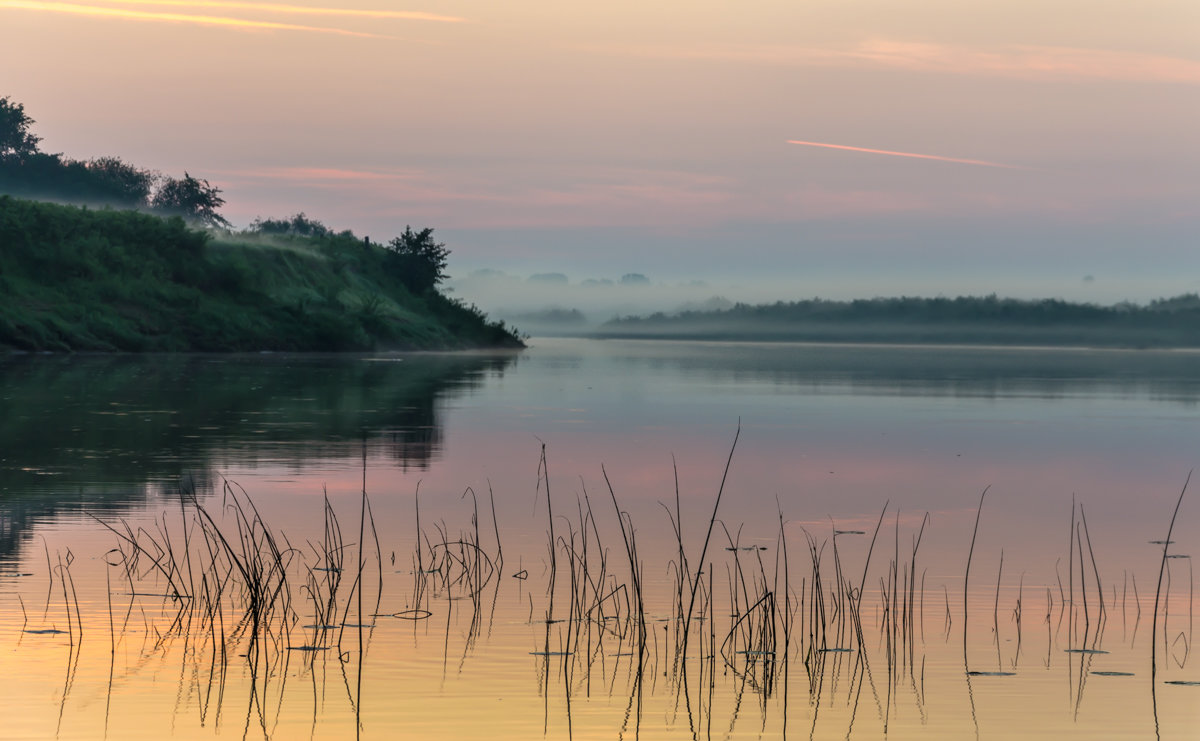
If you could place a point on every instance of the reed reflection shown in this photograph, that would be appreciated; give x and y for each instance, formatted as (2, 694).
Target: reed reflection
(254, 620)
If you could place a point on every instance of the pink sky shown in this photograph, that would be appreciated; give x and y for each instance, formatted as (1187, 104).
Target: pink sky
(621, 137)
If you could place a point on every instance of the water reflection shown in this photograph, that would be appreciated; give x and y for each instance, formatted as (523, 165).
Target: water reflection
(101, 432)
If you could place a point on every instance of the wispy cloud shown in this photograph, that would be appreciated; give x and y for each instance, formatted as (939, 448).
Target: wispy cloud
(891, 153)
(408, 15)
(204, 20)
(324, 175)
(1022, 61)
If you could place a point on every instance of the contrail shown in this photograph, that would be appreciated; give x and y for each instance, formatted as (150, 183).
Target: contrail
(982, 163)
(205, 20)
(410, 15)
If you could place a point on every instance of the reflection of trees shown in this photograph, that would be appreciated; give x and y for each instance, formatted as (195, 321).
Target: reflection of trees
(100, 432)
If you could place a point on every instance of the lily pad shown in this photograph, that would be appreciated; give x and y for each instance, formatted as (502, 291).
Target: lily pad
(1113, 674)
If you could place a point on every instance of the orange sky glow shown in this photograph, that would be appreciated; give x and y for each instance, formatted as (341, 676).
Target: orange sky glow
(142, 15)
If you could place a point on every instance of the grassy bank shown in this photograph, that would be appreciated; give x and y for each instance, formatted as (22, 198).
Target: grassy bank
(74, 279)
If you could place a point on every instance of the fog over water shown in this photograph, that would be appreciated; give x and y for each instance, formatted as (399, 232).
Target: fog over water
(526, 298)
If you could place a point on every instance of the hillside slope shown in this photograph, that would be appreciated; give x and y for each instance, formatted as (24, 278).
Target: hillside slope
(76, 279)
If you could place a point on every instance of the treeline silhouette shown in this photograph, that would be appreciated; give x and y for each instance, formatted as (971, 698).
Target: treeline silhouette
(1163, 322)
(28, 172)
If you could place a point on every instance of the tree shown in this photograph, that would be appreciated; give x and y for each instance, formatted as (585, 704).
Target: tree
(193, 199)
(418, 260)
(15, 138)
(121, 181)
(297, 226)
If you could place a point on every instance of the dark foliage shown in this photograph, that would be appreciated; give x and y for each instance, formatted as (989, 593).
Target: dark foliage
(417, 260)
(192, 199)
(16, 140)
(297, 226)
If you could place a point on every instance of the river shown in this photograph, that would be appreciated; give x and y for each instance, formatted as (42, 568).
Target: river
(122, 613)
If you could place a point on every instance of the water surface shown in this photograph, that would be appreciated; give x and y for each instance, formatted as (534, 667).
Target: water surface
(829, 437)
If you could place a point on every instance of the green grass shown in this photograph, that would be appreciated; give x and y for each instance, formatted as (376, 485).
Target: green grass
(78, 279)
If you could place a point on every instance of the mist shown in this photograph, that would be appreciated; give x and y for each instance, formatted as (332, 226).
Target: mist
(561, 303)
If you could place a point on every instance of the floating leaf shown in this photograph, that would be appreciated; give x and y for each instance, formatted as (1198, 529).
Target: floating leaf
(550, 653)
(1088, 651)
(308, 648)
(1113, 674)
(991, 674)
(1182, 682)
(45, 631)
(849, 532)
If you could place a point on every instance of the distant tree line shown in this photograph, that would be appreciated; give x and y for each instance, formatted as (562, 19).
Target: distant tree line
(906, 309)
(1169, 322)
(27, 171)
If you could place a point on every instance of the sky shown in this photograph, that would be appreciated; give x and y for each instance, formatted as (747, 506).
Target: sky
(773, 148)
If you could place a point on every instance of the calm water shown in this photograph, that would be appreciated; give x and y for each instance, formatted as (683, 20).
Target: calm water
(830, 436)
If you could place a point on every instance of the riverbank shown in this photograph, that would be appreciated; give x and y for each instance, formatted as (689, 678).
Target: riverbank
(78, 279)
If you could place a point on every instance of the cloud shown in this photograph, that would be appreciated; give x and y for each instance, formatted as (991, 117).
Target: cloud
(1022, 61)
(324, 175)
(204, 20)
(890, 153)
(297, 9)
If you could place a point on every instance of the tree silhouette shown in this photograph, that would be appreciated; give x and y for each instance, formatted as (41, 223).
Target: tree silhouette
(418, 261)
(15, 138)
(122, 182)
(193, 199)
